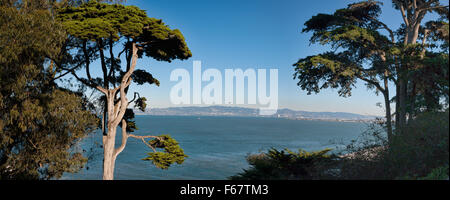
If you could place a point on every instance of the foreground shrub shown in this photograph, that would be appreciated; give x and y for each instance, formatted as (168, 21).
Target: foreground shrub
(420, 153)
(286, 164)
(424, 146)
(440, 173)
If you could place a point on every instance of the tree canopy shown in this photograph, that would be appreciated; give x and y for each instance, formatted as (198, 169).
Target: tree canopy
(97, 29)
(360, 50)
(40, 123)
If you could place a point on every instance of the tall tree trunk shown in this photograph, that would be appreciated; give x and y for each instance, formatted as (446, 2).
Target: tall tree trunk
(388, 117)
(387, 103)
(397, 106)
(402, 99)
(109, 140)
(108, 161)
(115, 113)
(412, 100)
(412, 17)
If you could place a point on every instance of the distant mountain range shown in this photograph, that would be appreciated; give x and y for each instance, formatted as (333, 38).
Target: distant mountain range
(252, 112)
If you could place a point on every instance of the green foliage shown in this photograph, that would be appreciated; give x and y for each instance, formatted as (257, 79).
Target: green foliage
(162, 43)
(172, 153)
(354, 31)
(440, 173)
(422, 153)
(363, 48)
(431, 83)
(40, 123)
(129, 118)
(286, 164)
(327, 70)
(141, 77)
(94, 28)
(423, 147)
(16, 29)
(93, 20)
(141, 103)
(97, 21)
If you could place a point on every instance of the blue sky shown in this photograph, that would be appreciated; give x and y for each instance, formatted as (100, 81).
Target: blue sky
(253, 34)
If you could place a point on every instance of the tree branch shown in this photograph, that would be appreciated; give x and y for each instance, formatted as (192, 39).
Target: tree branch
(402, 9)
(376, 84)
(124, 49)
(93, 85)
(424, 41)
(118, 150)
(432, 8)
(134, 98)
(86, 56)
(67, 71)
(103, 64)
(143, 139)
(427, 4)
(126, 81)
(391, 33)
(113, 59)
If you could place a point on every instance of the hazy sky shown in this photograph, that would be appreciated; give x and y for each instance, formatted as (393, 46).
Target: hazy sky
(253, 34)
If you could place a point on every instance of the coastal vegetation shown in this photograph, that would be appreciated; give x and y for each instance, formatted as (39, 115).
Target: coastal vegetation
(59, 38)
(286, 165)
(94, 30)
(414, 58)
(421, 154)
(49, 48)
(40, 122)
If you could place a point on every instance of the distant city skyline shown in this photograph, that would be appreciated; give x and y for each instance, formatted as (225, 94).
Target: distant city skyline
(253, 34)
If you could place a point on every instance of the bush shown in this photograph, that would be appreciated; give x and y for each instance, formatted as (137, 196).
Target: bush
(285, 164)
(424, 146)
(440, 173)
(421, 153)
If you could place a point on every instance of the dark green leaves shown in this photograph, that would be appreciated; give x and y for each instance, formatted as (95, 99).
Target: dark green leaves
(360, 51)
(141, 103)
(354, 29)
(172, 153)
(326, 70)
(93, 20)
(162, 43)
(320, 22)
(358, 14)
(141, 77)
(17, 29)
(129, 118)
(286, 164)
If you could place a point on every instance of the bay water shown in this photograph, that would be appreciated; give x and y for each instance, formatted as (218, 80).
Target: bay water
(217, 146)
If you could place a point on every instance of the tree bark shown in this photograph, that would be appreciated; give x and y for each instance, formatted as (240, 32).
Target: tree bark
(115, 113)
(412, 17)
(108, 161)
(402, 99)
(387, 103)
(388, 118)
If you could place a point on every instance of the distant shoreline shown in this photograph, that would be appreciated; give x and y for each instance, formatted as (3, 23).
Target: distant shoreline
(229, 111)
(271, 117)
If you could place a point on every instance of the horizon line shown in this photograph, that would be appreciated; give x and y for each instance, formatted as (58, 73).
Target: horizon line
(187, 106)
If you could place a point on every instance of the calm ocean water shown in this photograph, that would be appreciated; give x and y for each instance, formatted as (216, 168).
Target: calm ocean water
(216, 146)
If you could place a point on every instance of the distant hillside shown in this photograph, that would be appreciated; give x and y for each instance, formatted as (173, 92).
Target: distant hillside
(250, 112)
